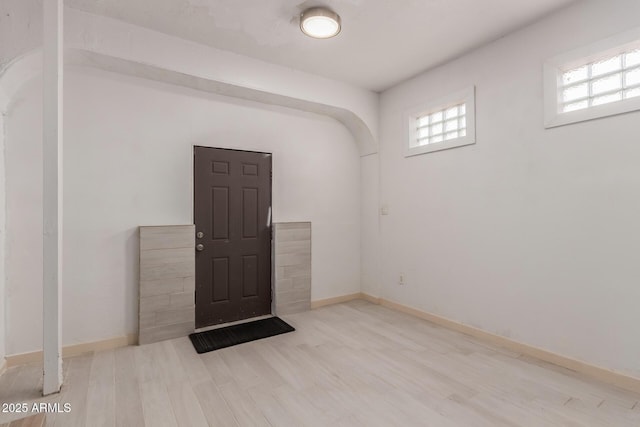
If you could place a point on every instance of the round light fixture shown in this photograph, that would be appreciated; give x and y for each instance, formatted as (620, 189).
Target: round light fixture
(320, 23)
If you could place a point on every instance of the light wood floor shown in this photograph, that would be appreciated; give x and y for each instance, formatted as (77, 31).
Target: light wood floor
(353, 364)
(30, 421)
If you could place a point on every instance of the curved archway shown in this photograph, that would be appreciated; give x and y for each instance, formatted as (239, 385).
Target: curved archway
(16, 73)
(24, 68)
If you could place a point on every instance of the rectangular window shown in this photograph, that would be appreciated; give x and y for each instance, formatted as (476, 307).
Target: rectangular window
(598, 80)
(609, 80)
(443, 124)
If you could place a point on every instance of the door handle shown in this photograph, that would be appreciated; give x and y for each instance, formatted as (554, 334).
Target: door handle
(199, 247)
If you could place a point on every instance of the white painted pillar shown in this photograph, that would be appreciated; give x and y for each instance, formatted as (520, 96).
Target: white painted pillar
(52, 194)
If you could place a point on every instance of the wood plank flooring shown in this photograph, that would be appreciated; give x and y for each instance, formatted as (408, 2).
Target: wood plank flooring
(31, 421)
(352, 364)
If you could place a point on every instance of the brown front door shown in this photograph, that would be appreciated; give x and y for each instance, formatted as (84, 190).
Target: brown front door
(232, 210)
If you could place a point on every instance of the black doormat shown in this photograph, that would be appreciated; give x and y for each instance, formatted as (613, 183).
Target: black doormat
(216, 339)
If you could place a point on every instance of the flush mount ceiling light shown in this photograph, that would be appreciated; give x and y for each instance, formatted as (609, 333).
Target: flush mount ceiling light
(320, 23)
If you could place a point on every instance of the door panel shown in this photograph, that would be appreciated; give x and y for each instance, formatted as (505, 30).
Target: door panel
(232, 204)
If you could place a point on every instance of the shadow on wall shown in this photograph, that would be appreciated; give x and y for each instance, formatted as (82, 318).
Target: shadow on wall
(131, 274)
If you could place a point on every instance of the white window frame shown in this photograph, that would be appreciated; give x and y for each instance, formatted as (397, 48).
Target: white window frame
(466, 96)
(556, 66)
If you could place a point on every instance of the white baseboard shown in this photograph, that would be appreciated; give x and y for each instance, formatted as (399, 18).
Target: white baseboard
(370, 298)
(73, 350)
(602, 374)
(335, 300)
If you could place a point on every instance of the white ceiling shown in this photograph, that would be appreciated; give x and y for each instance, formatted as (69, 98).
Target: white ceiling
(382, 41)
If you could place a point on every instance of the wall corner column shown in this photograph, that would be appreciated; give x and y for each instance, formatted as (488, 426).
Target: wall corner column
(52, 194)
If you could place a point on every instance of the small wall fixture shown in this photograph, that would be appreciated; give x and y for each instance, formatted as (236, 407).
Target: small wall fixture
(320, 23)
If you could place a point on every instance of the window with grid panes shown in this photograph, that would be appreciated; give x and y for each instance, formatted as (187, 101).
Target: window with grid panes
(608, 80)
(445, 123)
(598, 80)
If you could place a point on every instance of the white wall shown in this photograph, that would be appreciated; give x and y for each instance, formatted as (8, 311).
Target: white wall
(20, 31)
(20, 28)
(370, 224)
(128, 161)
(531, 234)
(112, 45)
(2, 240)
(118, 39)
